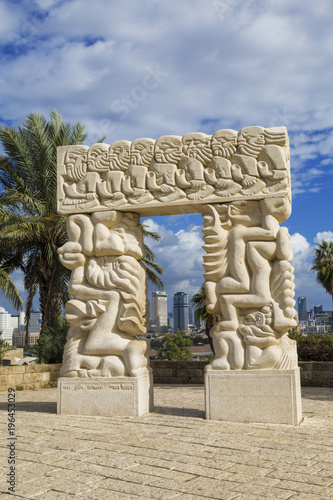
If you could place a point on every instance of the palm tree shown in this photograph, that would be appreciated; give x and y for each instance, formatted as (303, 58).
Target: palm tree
(30, 229)
(323, 265)
(152, 268)
(200, 311)
(7, 285)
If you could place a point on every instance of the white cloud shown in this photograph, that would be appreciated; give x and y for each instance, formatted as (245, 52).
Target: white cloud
(180, 254)
(325, 235)
(305, 278)
(254, 62)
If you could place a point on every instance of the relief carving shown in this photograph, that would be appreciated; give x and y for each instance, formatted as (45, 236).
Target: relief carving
(241, 183)
(249, 281)
(195, 169)
(109, 307)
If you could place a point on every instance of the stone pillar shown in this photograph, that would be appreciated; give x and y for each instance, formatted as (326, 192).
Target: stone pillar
(105, 368)
(249, 284)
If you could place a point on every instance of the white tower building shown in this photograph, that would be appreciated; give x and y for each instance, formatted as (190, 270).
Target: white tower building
(6, 326)
(160, 308)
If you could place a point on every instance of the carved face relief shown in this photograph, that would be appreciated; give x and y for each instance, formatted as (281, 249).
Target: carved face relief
(224, 143)
(142, 152)
(251, 141)
(75, 162)
(197, 146)
(98, 158)
(119, 154)
(168, 149)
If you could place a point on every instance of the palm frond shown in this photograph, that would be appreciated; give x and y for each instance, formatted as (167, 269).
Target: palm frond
(9, 289)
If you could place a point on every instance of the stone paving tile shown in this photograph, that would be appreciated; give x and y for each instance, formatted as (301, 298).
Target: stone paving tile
(305, 488)
(55, 495)
(205, 487)
(172, 453)
(162, 472)
(102, 494)
(143, 491)
(246, 478)
(249, 470)
(303, 478)
(254, 489)
(308, 496)
(62, 485)
(188, 496)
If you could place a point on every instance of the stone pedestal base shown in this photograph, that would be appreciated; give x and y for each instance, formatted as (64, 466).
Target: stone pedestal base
(105, 397)
(262, 396)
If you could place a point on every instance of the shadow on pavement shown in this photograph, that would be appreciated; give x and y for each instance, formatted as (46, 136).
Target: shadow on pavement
(318, 393)
(179, 412)
(32, 406)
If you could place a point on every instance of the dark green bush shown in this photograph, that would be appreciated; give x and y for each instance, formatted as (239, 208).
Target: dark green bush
(314, 347)
(51, 344)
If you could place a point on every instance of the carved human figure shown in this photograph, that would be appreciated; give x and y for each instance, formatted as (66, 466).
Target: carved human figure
(247, 253)
(273, 160)
(110, 186)
(79, 192)
(250, 142)
(161, 178)
(196, 154)
(108, 285)
(218, 171)
(264, 347)
(134, 183)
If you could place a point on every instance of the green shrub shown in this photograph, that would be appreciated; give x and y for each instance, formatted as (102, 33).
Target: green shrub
(175, 347)
(19, 388)
(51, 343)
(314, 347)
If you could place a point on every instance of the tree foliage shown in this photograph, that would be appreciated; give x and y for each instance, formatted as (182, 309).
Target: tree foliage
(152, 268)
(30, 229)
(200, 311)
(4, 347)
(323, 265)
(314, 347)
(175, 347)
(51, 345)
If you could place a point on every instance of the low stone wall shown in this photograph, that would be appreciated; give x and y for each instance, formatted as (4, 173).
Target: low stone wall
(178, 372)
(313, 373)
(29, 376)
(14, 354)
(316, 373)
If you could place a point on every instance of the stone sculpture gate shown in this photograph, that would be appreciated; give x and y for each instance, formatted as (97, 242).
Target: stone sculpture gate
(240, 182)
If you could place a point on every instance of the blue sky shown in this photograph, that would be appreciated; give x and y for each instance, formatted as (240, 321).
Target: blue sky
(145, 69)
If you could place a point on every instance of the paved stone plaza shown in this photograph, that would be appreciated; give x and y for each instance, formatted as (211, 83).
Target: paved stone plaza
(172, 453)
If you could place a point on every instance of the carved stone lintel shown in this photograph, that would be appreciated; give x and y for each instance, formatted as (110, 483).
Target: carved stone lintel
(174, 174)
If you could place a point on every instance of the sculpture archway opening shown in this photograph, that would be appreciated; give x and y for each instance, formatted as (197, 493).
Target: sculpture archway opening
(240, 182)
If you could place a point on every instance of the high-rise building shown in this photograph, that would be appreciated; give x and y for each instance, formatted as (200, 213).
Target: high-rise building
(302, 314)
(6, 326)
(180, 311)
(190, 315)
(170, 320)
(19, 330)
(318, 309)
(160, 308)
